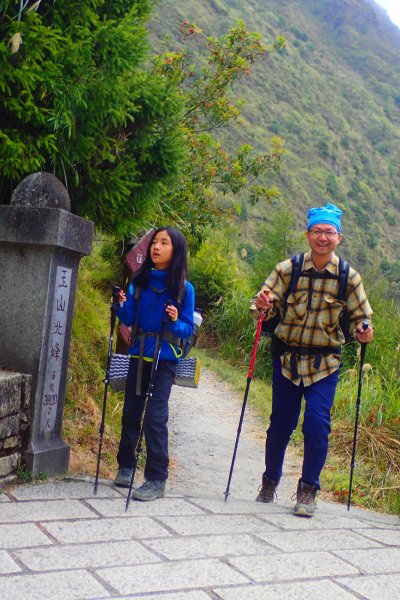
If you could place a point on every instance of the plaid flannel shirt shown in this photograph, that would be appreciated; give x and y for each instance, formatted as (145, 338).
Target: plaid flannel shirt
(317, 326)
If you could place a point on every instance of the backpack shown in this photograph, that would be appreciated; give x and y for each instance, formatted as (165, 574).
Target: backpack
(188, 344)
(268, 327)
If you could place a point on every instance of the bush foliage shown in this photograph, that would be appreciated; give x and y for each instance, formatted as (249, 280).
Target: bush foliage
(78, 100)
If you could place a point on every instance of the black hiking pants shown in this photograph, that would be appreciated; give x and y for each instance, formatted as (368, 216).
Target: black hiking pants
(155, 429)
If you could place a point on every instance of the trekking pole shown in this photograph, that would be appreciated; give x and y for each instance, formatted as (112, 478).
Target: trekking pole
(353, 456)
(149, 394)
(113, 317)
(249, 378)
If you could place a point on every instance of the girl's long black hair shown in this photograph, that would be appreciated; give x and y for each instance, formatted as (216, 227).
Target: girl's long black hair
(177, 271)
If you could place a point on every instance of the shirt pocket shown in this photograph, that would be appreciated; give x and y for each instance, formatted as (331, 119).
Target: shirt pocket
(331, 310)
(296, 307)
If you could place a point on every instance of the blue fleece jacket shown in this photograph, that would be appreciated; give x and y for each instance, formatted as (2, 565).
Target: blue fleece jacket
(151, 311)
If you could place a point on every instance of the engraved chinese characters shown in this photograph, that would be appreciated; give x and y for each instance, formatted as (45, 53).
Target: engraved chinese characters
(56, 349)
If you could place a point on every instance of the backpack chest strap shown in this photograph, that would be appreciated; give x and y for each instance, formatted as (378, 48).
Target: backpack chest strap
(167, 336)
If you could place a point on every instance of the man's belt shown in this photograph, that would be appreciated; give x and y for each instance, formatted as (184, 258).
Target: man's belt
(278, 347)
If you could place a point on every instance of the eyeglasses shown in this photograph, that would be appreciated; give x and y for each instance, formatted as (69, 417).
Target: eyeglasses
(319, 233)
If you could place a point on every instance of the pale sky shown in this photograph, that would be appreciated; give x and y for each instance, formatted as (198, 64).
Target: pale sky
(393, 9)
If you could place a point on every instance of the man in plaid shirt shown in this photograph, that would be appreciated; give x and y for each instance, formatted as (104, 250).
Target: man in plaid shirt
(307, 352)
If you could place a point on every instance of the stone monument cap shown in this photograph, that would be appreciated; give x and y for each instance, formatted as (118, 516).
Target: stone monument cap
(41, 190)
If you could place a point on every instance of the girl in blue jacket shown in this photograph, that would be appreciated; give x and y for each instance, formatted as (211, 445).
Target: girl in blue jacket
(159, 300)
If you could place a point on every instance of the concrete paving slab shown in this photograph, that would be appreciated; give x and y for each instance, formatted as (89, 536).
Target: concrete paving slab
(233, 506)
(212, 524)
(7, 565)
(381, 560)
(196, 595)
(67, 532)
(367, 516)
(163, 506)
(306, 590)
(391, 537)
(199, 548)
(320, 521)
(298, 565)
(71, 585)
(380, 587)
(303, 541)
(85, 556)
(180, 576)
(209, 546)
(61, 490)
(13, 512)
(379, 519)
(22, 536)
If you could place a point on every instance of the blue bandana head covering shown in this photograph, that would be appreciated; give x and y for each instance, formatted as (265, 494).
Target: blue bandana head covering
(329, 214)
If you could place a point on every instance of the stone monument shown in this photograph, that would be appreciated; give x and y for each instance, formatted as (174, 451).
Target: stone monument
(41, 244)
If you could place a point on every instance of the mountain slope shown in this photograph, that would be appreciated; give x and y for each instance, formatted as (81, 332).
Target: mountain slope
(334, 98)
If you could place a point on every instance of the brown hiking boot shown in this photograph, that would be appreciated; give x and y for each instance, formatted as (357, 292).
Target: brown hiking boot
(266, 491)
(305, 505)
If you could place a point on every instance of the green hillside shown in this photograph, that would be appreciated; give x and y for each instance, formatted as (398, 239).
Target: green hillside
(333, 96)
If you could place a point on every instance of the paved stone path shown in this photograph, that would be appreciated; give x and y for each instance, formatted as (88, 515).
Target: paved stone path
(59, 541)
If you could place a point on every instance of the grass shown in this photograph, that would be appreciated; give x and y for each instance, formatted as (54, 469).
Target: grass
(25, 477)
(376, 483)
(377, 470)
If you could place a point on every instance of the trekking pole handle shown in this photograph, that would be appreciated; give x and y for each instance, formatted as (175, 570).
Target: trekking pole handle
(113, 316)
(254, 353)
(115, 296)
(365, 326)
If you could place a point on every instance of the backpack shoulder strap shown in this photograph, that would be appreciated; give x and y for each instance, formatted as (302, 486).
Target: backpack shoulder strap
(297, 265)
(138, 291)
(344, 268)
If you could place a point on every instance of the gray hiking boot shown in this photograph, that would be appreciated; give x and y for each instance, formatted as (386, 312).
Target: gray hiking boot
(267, 490)
(123, 478)
(305, 505)
(150, 490)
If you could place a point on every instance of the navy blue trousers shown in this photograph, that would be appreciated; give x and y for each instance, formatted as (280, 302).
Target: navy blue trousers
(286, 406)
(155, 429)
